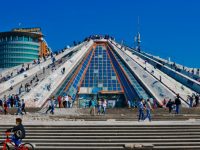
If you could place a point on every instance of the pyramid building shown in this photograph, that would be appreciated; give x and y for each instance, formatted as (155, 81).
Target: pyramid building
(100, 68)
(102, 74)
(109, 71)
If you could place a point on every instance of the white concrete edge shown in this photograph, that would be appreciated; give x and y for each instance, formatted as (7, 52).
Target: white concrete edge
(155, 95)
(52, 78)
(19, 78)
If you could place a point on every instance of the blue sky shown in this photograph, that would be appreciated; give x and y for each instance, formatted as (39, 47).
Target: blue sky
(169, 28)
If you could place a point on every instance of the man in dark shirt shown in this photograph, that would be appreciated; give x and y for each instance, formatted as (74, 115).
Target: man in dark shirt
(19, 132)
(197, 100)
(177, 103)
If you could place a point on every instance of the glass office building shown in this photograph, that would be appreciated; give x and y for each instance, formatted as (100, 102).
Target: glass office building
(18, 47)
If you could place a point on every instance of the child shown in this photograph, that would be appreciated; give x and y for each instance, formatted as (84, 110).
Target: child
(19, 132)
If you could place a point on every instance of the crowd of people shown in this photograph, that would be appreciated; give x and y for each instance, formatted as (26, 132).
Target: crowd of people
(147, 105)
(101, 104)
(60, 102)
(11, 74)
(67, 102)
(192, 100)
(172, 105)
(24, 67)
(12, 101)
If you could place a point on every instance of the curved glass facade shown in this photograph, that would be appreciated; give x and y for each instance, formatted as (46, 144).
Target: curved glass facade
(18, 48)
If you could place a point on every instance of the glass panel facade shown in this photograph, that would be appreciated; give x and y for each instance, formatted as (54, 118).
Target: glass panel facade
(72, 91)
(100, 73)
(138, 88)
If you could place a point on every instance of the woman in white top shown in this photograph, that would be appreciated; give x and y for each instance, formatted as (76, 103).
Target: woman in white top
(104, 106)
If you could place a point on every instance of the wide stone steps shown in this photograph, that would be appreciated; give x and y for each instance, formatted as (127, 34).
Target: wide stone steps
(113, 137)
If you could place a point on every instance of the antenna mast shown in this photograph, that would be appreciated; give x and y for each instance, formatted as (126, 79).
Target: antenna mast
(138, 36)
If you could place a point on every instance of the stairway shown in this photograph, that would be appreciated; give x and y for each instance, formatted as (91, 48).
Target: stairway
(99, 137)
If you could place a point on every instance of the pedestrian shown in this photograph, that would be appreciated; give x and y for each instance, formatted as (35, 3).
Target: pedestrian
(23, 106)
(8, 102)
(66, 101)
(164, 102)
(190, 98)
(59, 101)
(52, 105)
(49, 87)
(5, 107)
(154, 104)
(1, 105)
(26, 87)
(12, 100)
(38, 62)
(170, 105)
(44, 58)
(15, 101)
(92, 107)
(197, 100)
(20, 89)
(70, 102)
(129, 104)
(104, 106)
(63, 70)
(43, 70)
(148, 110)
(49, 106)
(177, 103)
(99, 107)
(141, 110)
(19, 109)
(160, 79)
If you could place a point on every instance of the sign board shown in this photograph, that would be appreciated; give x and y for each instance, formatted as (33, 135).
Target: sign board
(27, 29)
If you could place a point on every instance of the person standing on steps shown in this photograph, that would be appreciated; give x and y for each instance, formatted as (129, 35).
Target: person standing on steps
(49, 106)
(196, 100)
(23, 106)
(1, 105)
(66, 101)
(190, 100)
(92, 107)
(5, 107)
(59, 101)
(148, 110)
(141, 110)
(19, 109)
(177, 103)
(70, 102)
(170, 105)
(104, 106)
(99, 107)
(52, 105)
